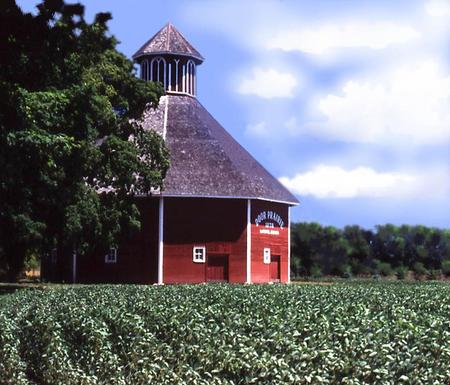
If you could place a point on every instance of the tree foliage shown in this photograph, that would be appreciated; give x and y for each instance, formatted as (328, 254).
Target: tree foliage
(387, 249)
(72, 152)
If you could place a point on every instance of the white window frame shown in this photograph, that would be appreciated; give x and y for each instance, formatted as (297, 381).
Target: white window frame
(266, 255)
(111, 257)
(199, 254)
(190, 77)
(157, 61)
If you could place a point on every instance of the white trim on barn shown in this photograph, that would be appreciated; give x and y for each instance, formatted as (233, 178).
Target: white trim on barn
(215, 197)
(199, 254)
(166, 111)
(161, 241)
(289, 245)
(177, 61)
(74, 266)
(187, 55)
(169, 81)
(249, 242)
(183, 82)
(111, 257)
(266, 255)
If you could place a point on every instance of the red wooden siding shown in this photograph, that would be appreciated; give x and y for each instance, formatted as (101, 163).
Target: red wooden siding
(269, 214)
(137, 256)
(217, 224)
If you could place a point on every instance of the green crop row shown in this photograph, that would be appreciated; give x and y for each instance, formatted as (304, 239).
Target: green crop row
(223, 334)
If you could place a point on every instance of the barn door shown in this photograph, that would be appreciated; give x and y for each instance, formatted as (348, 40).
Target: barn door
(275, 268)
(217, 268)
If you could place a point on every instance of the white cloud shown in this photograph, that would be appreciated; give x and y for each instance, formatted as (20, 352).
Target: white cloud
(438, 8)
(259, 129)
(268, 84)
(298, 26)
(406, 106)
(325, 181)
(319, 39)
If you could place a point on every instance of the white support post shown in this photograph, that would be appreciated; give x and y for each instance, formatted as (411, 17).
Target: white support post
(194, 91)
(289, 245)
(165, 75)
(187, 78)
(249, 242)
(150, 77)
(176, 75)
(157, 70)
(191, 77)
(169, 86)
(161, 241)
(74, 266)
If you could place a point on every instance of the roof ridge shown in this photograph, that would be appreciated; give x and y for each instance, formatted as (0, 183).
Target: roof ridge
(169, 30)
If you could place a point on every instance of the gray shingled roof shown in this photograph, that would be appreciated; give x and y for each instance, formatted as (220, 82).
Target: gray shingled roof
(168, 41)
(205, 159)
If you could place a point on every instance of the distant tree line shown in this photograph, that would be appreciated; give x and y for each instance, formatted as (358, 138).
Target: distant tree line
(387, 250)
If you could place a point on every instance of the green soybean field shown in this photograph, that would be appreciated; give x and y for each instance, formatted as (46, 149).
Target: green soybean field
(346, 333)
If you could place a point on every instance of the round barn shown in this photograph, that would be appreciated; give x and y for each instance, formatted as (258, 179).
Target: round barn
(220, 216)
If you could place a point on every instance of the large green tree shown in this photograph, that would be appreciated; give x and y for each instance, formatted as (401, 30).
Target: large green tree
(72, 152)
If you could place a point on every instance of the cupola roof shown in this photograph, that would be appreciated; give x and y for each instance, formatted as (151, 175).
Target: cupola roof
(168, 41)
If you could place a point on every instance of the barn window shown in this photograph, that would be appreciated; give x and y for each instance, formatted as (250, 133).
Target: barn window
(266, 255)
(144, 70)
(199, 254)
(158, 70)
(183, 85)
(111, 257)
(190, 77)
(175, 76)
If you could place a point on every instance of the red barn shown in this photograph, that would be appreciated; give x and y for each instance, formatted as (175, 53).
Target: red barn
(220, 216)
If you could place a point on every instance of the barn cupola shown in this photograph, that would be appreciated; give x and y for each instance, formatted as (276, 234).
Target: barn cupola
(170, 59)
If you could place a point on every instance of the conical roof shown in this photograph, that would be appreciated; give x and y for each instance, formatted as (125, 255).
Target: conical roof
(205, 160)
(168, 41)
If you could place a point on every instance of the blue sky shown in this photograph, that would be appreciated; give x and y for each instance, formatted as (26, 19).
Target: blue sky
(346, 102)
